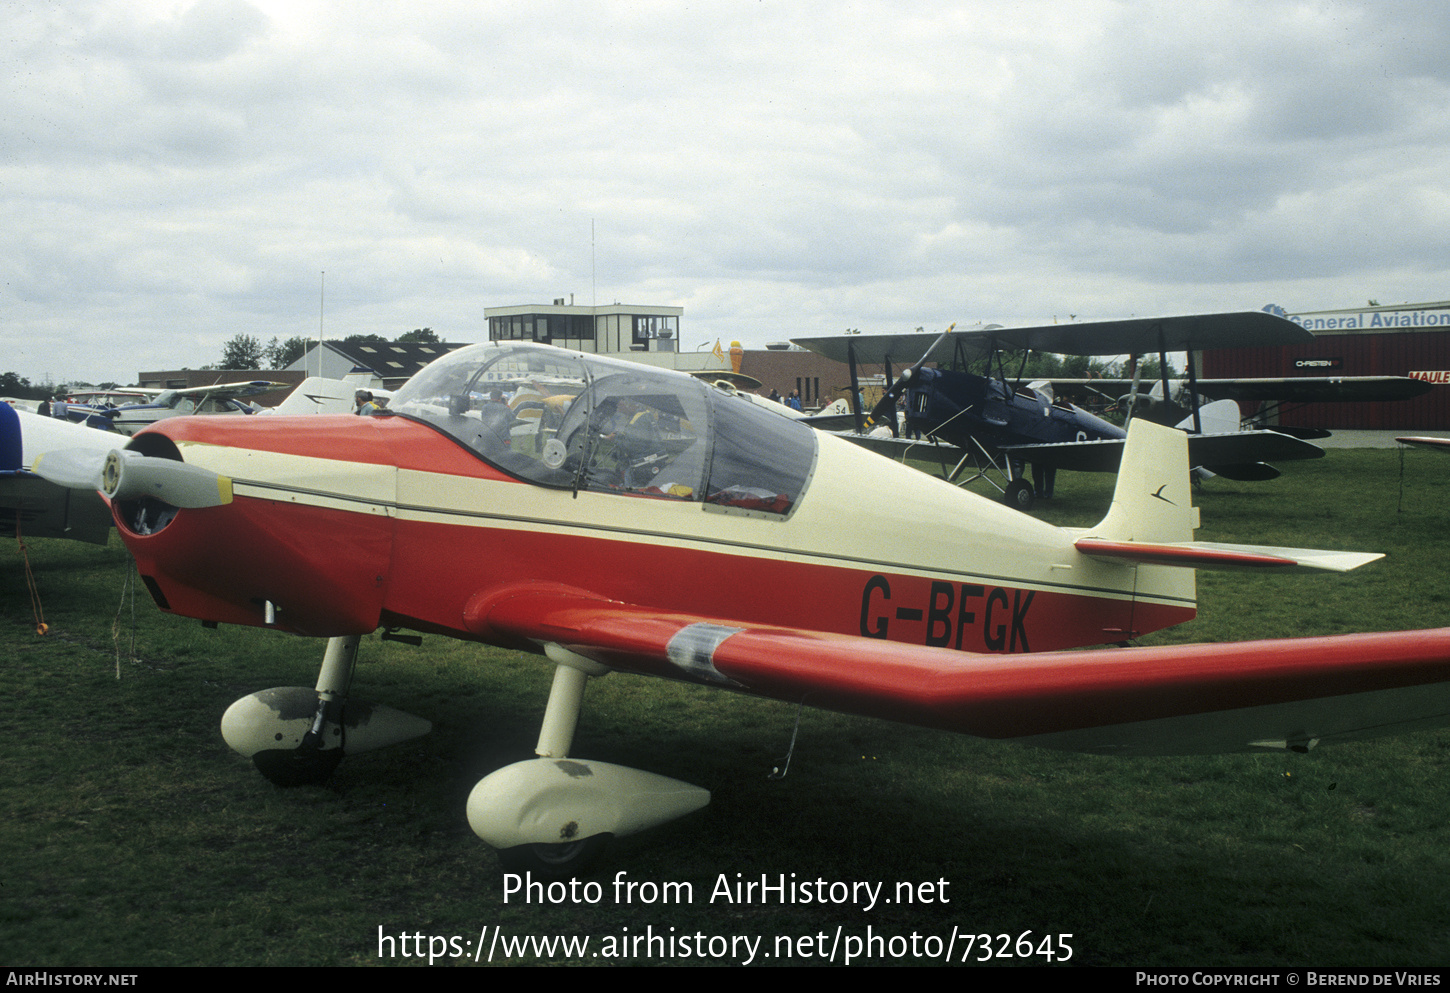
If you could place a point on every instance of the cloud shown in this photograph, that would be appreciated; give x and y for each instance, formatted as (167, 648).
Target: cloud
(176, 173)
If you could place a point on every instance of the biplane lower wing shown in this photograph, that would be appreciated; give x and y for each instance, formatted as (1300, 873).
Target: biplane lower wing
(1180, 699)
(1286, 389)
(1211, 450)
(900, 449)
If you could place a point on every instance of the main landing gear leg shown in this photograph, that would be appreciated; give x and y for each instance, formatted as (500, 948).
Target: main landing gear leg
(296, 736)
(553, 815)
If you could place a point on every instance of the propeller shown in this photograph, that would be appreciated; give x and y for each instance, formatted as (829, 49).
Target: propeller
(887, 404)
(127, 475)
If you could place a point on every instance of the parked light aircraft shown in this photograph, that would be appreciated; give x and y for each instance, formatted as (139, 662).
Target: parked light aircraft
(35, 507)
(1000, 422)
(653, 524)
(222, 398)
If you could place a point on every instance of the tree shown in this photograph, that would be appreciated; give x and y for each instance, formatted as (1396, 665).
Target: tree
(243, 351)
(282, 354)
(358, 338)
(13, 384)
(420, 334)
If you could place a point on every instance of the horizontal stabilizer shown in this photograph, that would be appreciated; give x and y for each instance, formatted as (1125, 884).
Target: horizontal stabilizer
(1435, 444)
(1212, 555)
(1151, 520)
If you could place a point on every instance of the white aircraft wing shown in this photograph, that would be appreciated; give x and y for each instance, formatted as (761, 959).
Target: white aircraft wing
(38, 507)
(231, 391)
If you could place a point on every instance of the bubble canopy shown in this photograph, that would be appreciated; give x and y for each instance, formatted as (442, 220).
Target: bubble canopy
(568, 420)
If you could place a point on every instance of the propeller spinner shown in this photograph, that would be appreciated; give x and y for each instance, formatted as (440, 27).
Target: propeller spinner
(887, 404)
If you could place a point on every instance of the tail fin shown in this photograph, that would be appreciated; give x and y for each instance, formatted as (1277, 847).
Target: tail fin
(1153, 500)
(1152, 518)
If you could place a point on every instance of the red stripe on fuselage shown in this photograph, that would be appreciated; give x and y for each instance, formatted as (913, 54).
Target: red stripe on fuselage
(385, 440)
(438, 568)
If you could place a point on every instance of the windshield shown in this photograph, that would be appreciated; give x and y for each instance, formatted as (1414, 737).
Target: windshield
(569, 420)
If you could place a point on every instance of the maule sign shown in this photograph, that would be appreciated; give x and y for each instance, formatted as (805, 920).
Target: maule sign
(1433, 376)
(1334, 363)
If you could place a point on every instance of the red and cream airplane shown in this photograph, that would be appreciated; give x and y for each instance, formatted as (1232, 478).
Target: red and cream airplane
(611, 516)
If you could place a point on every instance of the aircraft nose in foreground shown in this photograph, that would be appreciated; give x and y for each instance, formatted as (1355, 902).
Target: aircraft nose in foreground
(273, 562)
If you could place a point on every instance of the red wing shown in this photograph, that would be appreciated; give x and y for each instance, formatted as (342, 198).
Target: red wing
(1166, 700)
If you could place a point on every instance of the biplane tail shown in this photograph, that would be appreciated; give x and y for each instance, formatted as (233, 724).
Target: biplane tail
(1152, 517)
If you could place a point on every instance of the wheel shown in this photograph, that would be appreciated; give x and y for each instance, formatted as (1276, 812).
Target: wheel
(1019, 495)
(295, 767)
(561, 861)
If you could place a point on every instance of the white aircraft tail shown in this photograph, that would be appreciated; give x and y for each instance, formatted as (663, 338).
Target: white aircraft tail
(318, 395)
(1153, 500)
(1152, 518)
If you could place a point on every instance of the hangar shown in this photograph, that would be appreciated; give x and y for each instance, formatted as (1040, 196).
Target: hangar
(1407, 339)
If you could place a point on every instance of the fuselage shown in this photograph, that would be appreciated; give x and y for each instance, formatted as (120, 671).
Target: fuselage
(959, 407)
(344, 523)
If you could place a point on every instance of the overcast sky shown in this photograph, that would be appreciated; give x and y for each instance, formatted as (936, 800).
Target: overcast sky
(175, 173)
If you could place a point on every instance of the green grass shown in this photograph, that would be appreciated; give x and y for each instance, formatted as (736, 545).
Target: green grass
(132, 836)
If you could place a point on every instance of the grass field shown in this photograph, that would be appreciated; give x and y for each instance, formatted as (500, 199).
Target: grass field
(132, 836)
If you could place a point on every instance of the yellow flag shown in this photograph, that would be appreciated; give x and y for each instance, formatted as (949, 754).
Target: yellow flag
(719, 352)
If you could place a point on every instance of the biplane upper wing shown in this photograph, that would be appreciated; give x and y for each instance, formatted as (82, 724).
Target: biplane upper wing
(903, 349)
(1146, 335)
(1179, 699)
(1135, 336)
